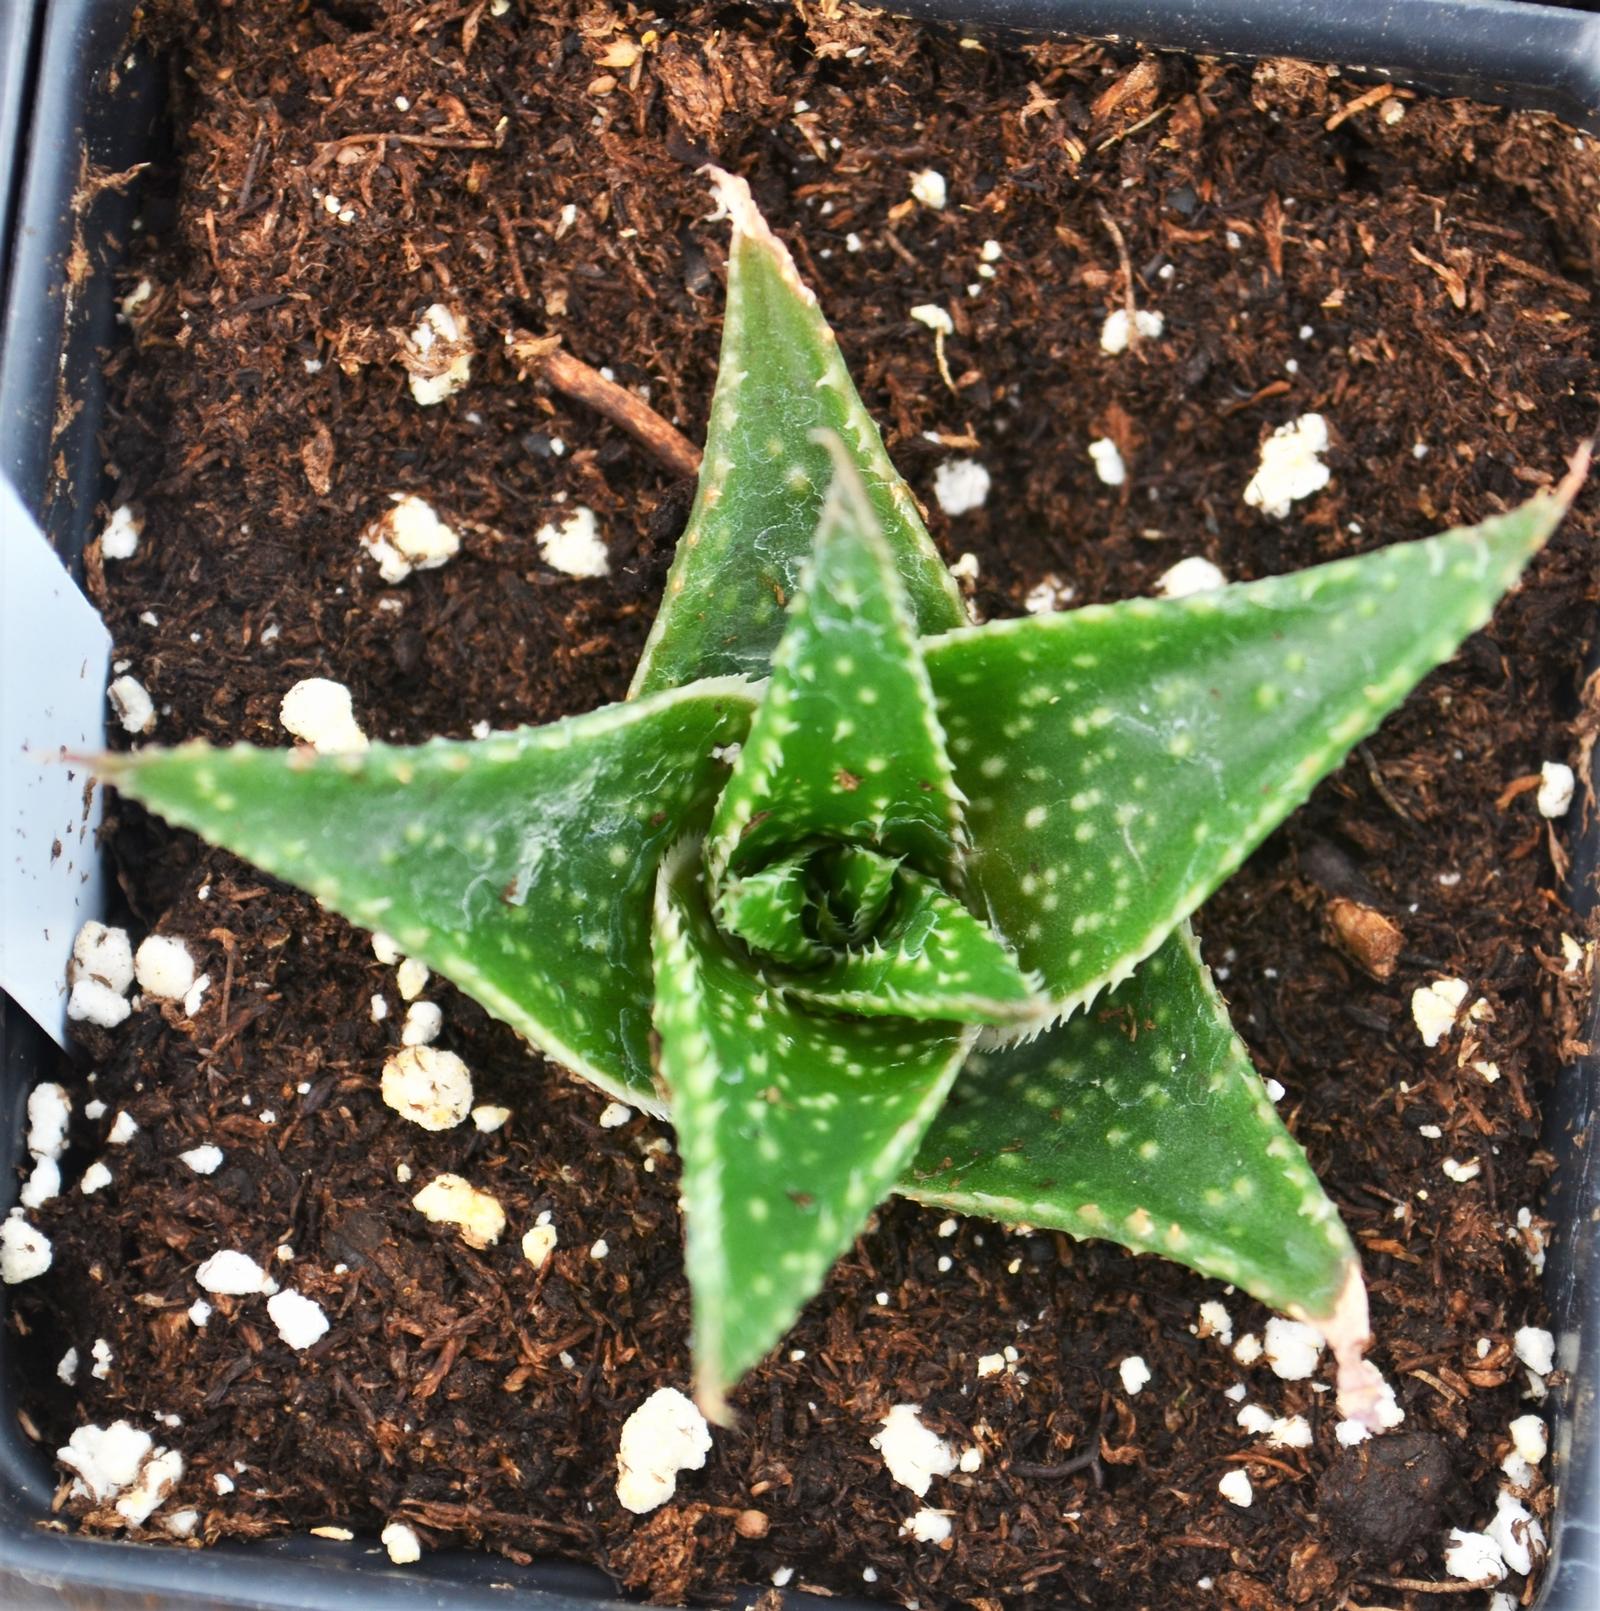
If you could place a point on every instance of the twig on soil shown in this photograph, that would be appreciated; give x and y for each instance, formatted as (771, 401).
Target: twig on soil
(1418, 1585)
(1126, 264)
(574, 378)
(1371, 97)
(519, 281)
(1380, 785)
(329, 149)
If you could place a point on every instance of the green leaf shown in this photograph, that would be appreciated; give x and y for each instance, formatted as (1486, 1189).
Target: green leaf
(845, 745)
(930, 958)
(521, 866)
(1143, 1122)
(769, 910)
(780, 380)
(1121, 761)
(792, 1128)
(856, 886)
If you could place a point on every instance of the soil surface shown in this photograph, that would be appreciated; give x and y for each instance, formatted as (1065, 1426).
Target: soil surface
(1420, 273)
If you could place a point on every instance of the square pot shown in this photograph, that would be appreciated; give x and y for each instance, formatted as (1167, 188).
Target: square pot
(69, 86)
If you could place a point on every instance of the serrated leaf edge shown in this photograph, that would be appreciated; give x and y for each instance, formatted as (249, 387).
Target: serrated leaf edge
(1382, 698)
(121, 767)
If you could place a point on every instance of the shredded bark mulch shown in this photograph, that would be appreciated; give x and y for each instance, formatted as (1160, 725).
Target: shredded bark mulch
(1421, 273)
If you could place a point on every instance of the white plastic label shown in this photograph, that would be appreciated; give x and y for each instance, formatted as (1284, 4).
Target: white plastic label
(54, 651)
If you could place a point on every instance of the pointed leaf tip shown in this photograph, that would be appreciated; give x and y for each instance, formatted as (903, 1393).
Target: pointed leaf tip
(1167, 738)
(738, 206)
(1145, 1123)
(1347, 1330)
(762, 478)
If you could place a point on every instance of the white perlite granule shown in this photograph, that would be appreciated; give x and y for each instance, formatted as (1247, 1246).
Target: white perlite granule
(1292, 1348)
(913, 1454)
(120, 1460)
(664, 1436)
(1472, 1557)
(574, 546)
(430, 1087)
(123, 1129)
(929, 188)
(104, 954)
(1290, 468)
(411, 978)
(1556, 784)
(1196, 574)
(234, 1275)
(450, 1200)
(49, 1114)
(134, 707)
(320, 711)
(960, 486)
(204, 1159)
(487, 1118)
(43, 1184)
(402, 1543)
(614, 1115)
(119, 538)
(91, 1002)
(1435, 1008)
(106, 1459)
(1254, 1419)
(1048, 595)
(1108, 463)
(927, 1526)
(409, 537)
(1289, 1432)
(24, 1252)
(438, 355)
(1519, 1536)
(423, 1022)
(1235, 1488)
(1530, 1438)
(539, 1242)
(1135, 1374)
(300, 1320)
(1536, 1348)
(1215, 1321)
(1117, 332)
(164, 967)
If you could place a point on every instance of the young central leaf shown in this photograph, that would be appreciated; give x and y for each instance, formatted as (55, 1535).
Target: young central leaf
(780, 381)
(793, 1126)
(929, 958)
(845, 746)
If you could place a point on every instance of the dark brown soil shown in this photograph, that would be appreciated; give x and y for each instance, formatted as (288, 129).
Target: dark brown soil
(1422, 273)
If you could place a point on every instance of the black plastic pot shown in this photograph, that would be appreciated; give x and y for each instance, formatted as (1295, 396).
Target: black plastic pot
(70, 85)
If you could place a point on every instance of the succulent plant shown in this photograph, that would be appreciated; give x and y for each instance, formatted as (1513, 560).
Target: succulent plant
(873, 899)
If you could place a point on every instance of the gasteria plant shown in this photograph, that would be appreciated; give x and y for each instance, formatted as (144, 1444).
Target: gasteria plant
(863, 867)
